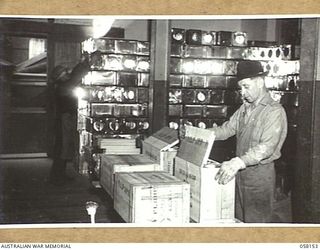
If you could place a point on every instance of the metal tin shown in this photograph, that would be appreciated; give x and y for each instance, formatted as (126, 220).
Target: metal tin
(143, 95)
(208, 38)
(143, 48)
(143, 79)
(143, 64)
(194, 81)
(175, 96)
(216, 111)
(194, 37)
(176, 80)
(236, 53)
(193, 110)
(176, 65)
(217, 96)
(126, 46)
(104, 45)
(239, 38)
(218, 52)
(176, 50)
(216, 82)
(111, 62)
(127, 79)
(178, 35)
(198, 51)
(102, 109)
(175, 110)
(129, 63)
(224, 38)
(106, 78)
(230, 67)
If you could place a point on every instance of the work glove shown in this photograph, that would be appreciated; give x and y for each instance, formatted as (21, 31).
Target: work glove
(229, 169)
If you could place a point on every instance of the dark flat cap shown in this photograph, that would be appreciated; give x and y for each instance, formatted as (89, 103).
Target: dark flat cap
(248, 69)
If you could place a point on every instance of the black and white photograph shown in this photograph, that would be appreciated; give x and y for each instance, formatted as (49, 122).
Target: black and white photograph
(159, 121)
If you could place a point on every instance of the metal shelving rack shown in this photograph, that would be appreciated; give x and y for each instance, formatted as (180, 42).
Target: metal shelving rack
(113, 111)
(203, 88)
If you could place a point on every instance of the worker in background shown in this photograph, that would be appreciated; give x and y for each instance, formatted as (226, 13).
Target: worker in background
(260, 126)
(65, 108)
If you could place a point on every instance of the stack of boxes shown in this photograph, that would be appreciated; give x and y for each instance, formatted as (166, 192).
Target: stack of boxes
(164, 185)
(143, 186)
(159, 153)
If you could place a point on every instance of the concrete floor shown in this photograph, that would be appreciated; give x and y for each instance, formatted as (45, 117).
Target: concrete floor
(27, 197)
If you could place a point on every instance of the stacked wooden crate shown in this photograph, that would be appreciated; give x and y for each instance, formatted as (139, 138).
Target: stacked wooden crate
(115, 146)
(143, 186)
(158, 155)
(111, 164)
(152, 197)
(163, 185)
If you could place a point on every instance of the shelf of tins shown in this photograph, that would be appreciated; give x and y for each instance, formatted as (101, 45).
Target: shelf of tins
(114, 96)
(203, 66)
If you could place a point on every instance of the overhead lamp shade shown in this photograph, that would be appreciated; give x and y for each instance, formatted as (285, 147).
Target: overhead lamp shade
(101, 25)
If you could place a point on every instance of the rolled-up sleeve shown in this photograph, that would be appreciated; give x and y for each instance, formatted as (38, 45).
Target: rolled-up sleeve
(228, 128)
(274, 132)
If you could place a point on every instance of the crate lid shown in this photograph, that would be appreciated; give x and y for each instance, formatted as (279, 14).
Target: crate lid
(149, 178)
(164, 138)
(128, 160)
(197, 145)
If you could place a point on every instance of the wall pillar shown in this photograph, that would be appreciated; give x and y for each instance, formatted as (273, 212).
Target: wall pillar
(159, 73)
(306, 188)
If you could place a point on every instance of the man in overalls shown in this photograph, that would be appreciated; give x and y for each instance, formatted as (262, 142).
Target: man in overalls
(260, 126)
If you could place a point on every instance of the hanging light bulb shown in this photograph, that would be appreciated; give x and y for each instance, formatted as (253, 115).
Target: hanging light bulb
(101, 25)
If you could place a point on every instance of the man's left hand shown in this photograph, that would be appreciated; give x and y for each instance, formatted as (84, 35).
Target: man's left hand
(229, 169)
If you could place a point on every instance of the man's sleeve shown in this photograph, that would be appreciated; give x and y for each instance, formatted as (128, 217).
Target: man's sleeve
(79, 71)
(228, 128)
(273, 136)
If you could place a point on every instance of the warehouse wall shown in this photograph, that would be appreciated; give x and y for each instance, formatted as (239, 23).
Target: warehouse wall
(260, 29)
(214, 25)
(134, 29)
(257, 29)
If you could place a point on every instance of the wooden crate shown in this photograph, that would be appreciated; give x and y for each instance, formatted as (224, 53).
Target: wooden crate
(210, 202)
(152, 197)
(111, 164)
(158, 155)
(165, 158)
(116, 146)
(160, 148)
